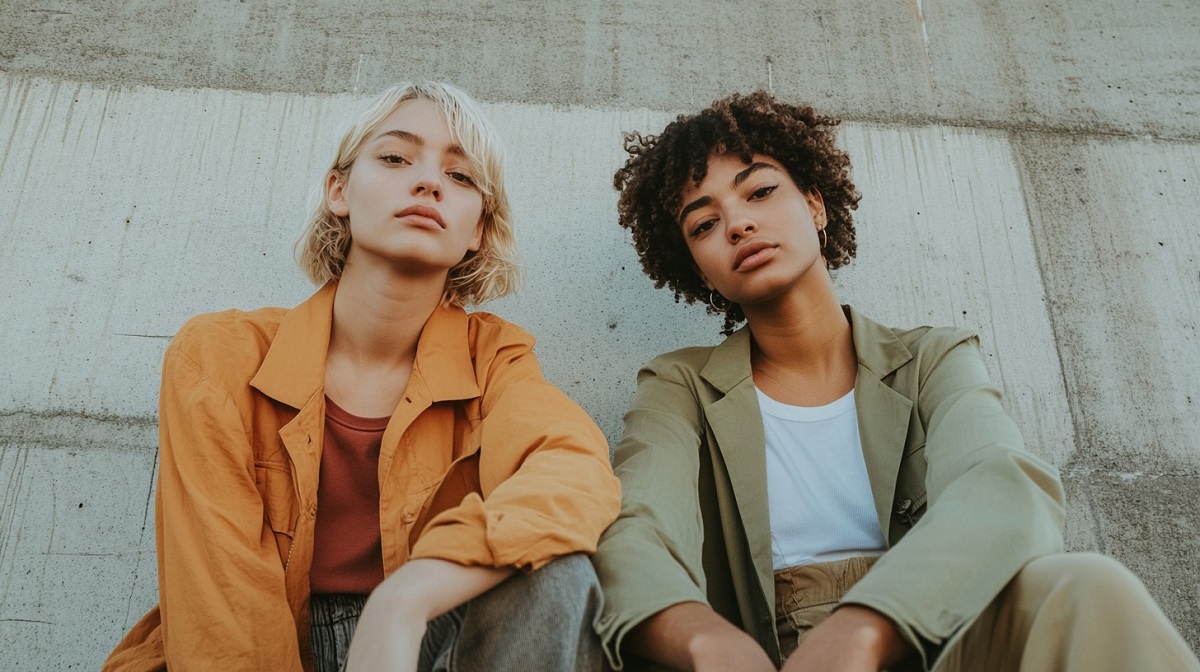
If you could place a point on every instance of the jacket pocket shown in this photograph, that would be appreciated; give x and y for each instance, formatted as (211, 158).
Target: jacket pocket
(274, 482)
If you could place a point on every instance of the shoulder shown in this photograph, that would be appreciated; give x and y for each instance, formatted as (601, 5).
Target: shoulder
(233, 341)
(930, 347)
(924, 342)
(489, 332)
(682, 364)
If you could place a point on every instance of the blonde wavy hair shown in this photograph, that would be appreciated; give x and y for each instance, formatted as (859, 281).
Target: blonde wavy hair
(489, 273)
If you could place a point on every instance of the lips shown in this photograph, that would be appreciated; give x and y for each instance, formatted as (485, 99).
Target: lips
(748, 252)
(423, 211)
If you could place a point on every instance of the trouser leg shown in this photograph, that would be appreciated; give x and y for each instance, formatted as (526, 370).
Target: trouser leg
(333, 618)
(1072, 612)
(538, 621)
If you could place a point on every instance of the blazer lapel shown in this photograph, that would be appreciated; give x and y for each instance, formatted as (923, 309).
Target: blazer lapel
(735, 421)
(883, 413)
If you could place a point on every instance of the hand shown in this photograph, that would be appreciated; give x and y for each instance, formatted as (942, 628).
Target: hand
(721, 652)
(853, 639)
(691, 636)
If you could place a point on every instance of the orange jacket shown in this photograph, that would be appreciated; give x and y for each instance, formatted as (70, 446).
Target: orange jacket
(483, 463)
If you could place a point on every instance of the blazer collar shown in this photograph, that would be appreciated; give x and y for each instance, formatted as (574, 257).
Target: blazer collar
(877, 348)
(294, 367)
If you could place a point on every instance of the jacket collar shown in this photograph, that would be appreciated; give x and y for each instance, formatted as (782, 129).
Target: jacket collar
(294, 367)
(445, 363)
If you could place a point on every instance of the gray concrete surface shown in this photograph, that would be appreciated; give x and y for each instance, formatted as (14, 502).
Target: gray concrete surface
(1096, 65)
(1030, 170)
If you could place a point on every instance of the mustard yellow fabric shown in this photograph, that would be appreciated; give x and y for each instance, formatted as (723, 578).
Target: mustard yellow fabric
(482, 463)
(961, 503)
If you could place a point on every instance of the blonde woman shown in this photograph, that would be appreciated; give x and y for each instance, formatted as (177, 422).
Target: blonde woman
(378, 440)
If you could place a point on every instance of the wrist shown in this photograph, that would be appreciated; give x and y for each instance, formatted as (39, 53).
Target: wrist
(875, 633)
(721, 642)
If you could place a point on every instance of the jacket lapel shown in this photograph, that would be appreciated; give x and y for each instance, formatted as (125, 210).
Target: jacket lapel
(883, 413)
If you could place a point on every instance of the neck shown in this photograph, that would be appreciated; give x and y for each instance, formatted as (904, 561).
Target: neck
(378, 317)
(803, 337)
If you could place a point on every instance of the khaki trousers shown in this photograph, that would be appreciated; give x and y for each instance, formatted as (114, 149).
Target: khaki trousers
(1070, 612)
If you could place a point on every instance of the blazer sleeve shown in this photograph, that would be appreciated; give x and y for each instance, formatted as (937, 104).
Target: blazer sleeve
(651, 557)
(221, 583)
(545, 480)
(992, 507)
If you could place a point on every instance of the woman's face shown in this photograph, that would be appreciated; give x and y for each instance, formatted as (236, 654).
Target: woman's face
(751, 231)
(410, 195)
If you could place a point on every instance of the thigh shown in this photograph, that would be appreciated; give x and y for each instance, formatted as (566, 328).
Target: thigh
(1069, 612)
(543, 620)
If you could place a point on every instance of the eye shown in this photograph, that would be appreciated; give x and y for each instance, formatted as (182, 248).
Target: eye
(461, 178)
(762, 192)
(394, 159)
(703, 226)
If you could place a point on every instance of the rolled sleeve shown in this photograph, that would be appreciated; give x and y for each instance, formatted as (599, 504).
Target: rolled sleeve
(546, 484)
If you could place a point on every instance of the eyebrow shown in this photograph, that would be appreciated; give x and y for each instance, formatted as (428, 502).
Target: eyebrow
(417, 140)
(737, 180)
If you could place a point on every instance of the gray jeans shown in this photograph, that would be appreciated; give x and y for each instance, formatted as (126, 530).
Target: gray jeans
(542, 621)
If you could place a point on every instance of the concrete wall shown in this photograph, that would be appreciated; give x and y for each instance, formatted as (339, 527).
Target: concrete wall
(1030, 170)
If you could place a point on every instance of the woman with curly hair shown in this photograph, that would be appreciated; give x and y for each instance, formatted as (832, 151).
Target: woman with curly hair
(820, 491)
(378, 440)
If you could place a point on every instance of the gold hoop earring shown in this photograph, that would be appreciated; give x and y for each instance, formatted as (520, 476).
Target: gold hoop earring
(714, 297)
(824, 237)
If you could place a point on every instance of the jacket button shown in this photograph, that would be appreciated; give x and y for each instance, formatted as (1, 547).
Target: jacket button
(312, 510)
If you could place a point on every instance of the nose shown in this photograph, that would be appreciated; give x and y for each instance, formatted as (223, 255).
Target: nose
(740, 227)
(428, 183)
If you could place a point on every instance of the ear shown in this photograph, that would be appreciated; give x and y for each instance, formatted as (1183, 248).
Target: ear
(816, 208)
(335, 194)
(477, 239)
(703, 279)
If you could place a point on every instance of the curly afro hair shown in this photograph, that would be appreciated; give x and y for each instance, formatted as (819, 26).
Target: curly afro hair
(653, 178)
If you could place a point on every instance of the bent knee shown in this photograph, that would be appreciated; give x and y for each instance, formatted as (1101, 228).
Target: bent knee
(572, 574)
(568, 579)
(1085, 576)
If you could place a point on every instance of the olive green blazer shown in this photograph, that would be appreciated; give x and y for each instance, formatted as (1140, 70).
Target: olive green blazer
(961, 504)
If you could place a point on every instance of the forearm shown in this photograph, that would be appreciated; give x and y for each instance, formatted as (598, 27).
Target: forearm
(393, 621)
(691, 636)
(426, 588)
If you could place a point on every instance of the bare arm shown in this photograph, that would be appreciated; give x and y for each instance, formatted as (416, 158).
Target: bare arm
(393, 621)
(691, 636)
